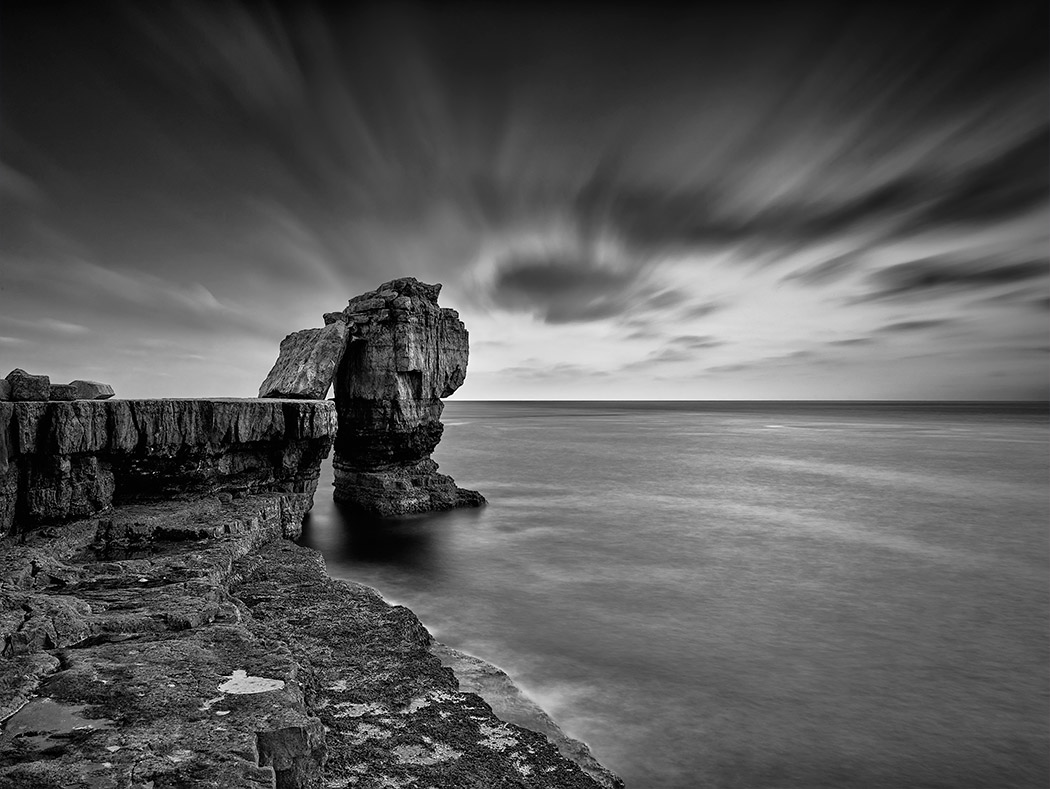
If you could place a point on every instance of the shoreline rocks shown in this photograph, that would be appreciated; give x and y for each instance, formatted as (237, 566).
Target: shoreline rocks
(158, 628)
(177, 638)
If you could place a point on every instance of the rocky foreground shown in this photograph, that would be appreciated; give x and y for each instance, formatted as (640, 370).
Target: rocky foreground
(160, 630)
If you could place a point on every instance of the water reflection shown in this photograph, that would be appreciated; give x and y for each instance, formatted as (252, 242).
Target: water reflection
(414, 544)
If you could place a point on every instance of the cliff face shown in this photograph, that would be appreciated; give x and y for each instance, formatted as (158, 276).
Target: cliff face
(393, 354)
(157, 631)
(63, 460)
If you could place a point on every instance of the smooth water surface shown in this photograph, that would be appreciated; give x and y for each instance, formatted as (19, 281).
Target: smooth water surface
(746, 594)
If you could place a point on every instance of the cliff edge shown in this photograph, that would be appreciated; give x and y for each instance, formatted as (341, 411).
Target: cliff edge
(159, 630)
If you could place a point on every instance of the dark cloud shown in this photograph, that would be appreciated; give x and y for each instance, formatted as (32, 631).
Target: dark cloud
(853, 341)
(730, 368)
(1017, 298)
(683, 348)
(565, 290)
(700, 310)
(935, 276)
(827, 271)
(548, 371)
(914, 326)
(775, 360)
(696, 341)
(1014, 181)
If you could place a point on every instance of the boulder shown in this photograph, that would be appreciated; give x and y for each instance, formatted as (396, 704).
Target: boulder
(307, 363)
(63, 392)
(26, 387)
(92, 390)
(5, 390)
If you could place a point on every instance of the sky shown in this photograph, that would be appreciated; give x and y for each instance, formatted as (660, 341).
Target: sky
(709, 201)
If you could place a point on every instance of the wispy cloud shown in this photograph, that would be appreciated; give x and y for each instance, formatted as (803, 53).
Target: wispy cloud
(938, 276)
(915, 326)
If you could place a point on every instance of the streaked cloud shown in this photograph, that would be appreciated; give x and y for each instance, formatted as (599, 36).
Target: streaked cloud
(937, 276)
(626, 198)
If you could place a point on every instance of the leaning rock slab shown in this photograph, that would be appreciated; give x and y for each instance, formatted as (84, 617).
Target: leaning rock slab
(5, 389)
(307, 363)
(25, 387)
(92, 390)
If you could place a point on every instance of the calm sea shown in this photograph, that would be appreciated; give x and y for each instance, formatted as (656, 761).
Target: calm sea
(759, 594)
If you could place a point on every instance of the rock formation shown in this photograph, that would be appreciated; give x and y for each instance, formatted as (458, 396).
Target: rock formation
(306, 364)
(400, 354)
(21, 386)
(388, 392)
(62, 460)
(156, 630)
(91, 390)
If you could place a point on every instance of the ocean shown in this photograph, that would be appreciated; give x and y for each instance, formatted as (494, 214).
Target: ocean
(769, 595)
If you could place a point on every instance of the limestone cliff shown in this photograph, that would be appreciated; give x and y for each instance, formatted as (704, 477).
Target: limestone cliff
(156, 630)
(62, 460)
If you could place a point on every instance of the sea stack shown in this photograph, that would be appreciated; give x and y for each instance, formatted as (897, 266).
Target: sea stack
(407, 354)
(394, 354)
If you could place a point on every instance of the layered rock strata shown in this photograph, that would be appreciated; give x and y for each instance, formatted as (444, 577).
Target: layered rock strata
(394, 354)
(176, 639)
(62, 460)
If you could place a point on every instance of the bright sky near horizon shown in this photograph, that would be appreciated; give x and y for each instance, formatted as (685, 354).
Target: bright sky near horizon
(734, 201)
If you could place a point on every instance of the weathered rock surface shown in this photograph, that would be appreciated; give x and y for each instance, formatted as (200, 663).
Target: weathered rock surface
(307, 363)
(5, 389)
(26, 387)
(63, 460)
(408, 354)
(511, 705)
(92, 390)
(185, 644)
(62, 392)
